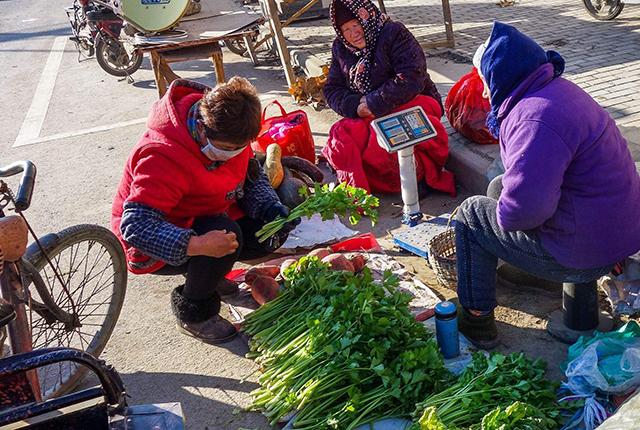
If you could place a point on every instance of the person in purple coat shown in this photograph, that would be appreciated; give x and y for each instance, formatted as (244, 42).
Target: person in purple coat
(568, 205)
(378, 67)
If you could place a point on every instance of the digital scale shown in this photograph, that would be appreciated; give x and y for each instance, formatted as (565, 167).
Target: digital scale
(400, 132)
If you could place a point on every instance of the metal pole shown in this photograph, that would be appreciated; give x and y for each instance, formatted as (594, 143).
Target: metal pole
(409, 185)
(580, 305)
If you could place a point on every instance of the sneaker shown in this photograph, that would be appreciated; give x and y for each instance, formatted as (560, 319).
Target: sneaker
(515, 279)
(215, 330)
(481, 330)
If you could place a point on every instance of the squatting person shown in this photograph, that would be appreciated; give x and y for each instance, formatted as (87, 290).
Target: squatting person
(192, 198)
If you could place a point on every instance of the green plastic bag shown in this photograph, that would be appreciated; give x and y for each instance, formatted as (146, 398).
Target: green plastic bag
(608, 362)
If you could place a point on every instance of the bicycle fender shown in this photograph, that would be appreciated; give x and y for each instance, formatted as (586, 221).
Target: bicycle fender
(48, 242)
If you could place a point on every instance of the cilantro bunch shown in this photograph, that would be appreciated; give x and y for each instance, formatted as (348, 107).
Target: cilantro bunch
(341, 350)
(327, 200)
(492, 390)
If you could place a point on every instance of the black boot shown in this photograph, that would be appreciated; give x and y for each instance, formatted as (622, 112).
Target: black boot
(200, 319)
(227, 289)
(481, 330)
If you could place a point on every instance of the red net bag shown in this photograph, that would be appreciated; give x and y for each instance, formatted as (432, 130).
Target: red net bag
(467, 110)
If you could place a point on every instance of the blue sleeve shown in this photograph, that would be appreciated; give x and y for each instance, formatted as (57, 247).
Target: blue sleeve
(336, 90)
(534, 172)
(410, 72)
(147, 230)
(258, 196)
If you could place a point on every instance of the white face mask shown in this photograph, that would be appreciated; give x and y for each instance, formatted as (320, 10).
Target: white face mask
(216, 154)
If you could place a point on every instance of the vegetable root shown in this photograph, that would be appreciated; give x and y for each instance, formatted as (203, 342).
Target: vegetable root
(267, 271)
(338, 262)
(264, 289)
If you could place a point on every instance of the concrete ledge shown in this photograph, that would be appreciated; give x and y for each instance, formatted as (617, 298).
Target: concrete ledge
(309, 63)
(474, 165)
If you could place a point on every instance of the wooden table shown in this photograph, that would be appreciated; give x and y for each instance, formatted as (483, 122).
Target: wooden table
(204, 33)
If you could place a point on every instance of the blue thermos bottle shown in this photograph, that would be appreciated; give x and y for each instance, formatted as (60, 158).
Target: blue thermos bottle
(447, 329)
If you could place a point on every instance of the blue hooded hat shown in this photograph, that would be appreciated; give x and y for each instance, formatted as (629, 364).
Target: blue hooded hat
(509, 58)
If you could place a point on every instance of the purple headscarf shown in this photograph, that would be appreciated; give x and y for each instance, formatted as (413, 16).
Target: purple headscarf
(372, 21)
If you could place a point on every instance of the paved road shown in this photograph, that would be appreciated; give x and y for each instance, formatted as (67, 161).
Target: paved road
(50, 104)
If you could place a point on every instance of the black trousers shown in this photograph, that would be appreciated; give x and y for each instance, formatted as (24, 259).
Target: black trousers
(204, 273)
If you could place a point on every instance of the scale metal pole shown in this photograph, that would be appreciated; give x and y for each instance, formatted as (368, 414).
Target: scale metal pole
(411, 214)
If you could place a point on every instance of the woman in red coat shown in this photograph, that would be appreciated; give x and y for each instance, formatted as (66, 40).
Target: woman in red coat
(192, 198)
(378, 67)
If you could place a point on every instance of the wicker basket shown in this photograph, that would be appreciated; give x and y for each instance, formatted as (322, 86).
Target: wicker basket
(442, 255)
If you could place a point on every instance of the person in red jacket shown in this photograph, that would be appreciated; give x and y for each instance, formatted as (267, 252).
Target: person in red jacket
(192, 198)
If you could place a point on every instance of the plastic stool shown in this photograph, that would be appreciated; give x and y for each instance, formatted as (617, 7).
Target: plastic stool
(580, 314)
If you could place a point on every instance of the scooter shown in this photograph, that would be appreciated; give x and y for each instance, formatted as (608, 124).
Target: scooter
(97, 30)
(605, 10)
(107, 28)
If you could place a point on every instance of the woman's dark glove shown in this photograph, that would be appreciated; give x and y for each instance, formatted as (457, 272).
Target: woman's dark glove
(278, 239)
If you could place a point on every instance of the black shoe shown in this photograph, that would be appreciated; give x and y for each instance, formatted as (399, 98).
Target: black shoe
(215, 330)
(200, 319)
(481, 330)
(513, 278)
(227, 288)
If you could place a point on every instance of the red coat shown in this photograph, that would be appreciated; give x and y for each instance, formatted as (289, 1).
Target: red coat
(167, 171)
(355, 154)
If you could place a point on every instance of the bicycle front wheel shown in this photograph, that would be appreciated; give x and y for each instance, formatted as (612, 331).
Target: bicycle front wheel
(91, 265)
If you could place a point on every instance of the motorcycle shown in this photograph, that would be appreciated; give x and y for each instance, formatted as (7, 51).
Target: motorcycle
(97, 30)
(605, 10)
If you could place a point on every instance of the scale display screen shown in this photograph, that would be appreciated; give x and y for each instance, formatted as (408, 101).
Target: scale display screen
(403, 129)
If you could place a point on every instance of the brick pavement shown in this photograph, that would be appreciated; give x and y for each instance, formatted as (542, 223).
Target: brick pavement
(602, 57)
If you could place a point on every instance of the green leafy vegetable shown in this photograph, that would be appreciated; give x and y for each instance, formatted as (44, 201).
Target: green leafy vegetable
(330, 352)
(327, 200)
(489, 383)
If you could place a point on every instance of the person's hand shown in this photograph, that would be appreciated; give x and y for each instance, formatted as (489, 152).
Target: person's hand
(363, 110)
(214, 243)
(280, 210)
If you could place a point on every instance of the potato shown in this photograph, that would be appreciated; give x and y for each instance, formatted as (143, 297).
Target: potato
(320, 253)
(338, 262)
(254, 272)
(286, 264)
(359, 262)
(264, 289)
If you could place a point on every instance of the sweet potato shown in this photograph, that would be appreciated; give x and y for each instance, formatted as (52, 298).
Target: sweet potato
(358, 261)
(320, 253)
(304, 166)
(286, 264)
(254, 272)
(264, 289)
(338, 262)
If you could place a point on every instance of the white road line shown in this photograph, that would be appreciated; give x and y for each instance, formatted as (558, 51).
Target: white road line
(68, 134)
(37, 112)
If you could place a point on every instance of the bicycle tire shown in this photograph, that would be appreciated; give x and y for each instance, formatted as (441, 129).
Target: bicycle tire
(64, 243)
(612, 13)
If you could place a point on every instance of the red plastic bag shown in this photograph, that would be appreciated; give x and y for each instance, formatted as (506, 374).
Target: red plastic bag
(289, 130)
(467, 110)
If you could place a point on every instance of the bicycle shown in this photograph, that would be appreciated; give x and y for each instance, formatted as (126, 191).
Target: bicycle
(66, 289)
